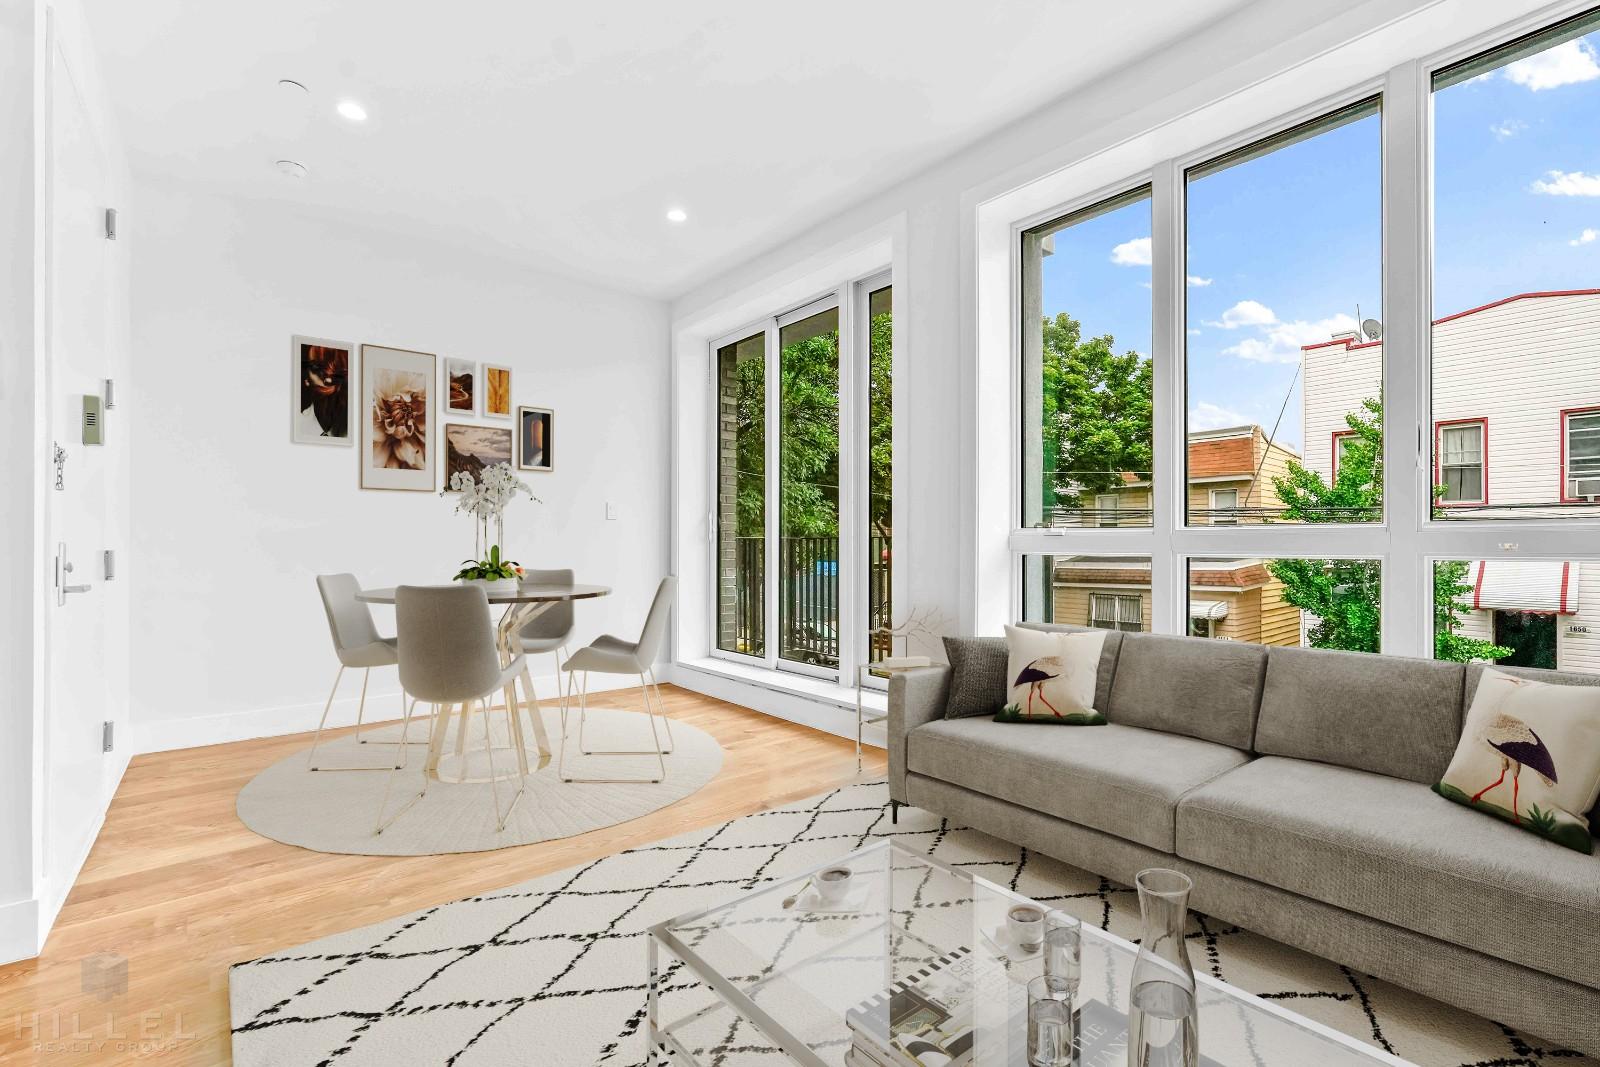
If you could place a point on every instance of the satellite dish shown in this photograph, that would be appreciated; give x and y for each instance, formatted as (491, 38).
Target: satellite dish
(1372, 328)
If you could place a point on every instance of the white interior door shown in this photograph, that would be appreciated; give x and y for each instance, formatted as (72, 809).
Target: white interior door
(87, 640)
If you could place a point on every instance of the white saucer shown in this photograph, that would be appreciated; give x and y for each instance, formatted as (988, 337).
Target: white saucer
(853, 902)
(999, 938)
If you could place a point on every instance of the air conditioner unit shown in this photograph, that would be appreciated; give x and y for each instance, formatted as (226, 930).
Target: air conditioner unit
(1586, 489)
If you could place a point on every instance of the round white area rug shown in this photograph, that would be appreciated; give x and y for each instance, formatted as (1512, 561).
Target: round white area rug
(336, 811)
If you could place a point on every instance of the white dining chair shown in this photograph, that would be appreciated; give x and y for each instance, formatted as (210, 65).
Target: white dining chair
(449, 658)
(551, 630)
(613, 655)
(358, 645)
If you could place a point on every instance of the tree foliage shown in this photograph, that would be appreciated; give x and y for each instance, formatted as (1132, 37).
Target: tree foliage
(1343, 594)
(1097, 413)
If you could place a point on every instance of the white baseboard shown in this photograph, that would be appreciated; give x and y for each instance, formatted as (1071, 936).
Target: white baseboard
(165, 735)
(20, 937)
(821, 706)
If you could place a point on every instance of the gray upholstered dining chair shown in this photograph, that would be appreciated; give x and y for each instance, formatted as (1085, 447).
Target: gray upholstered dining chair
(358, 645)
(551, 629)
(613, 655)
(449, 658)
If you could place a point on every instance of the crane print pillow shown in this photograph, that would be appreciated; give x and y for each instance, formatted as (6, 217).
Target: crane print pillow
(1530, 754)
(1051, 677)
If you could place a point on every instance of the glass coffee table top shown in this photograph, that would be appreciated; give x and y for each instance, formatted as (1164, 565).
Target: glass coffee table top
(753, 981)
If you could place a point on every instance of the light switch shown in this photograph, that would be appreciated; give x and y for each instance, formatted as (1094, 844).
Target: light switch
(611, 510)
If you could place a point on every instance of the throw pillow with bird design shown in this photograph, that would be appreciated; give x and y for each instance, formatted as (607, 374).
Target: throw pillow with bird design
(1530, 754)
(1051, 677)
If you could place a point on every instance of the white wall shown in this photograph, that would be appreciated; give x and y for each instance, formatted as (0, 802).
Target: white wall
(233, 521)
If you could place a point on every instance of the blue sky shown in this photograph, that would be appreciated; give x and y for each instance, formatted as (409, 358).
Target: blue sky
(1283, 248)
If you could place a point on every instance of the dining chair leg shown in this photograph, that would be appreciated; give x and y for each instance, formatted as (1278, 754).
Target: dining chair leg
(381, 825)
(514, 727)
(583, 709)
(494, 789)
(311, 757)
(661, 706)
(650, 713)
(361, 708)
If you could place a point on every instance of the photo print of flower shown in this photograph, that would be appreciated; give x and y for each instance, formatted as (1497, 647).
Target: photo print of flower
(395, 396)
(322, 390)
(461, 377)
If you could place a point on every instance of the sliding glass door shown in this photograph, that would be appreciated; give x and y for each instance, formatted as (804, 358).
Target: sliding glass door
(804, 484)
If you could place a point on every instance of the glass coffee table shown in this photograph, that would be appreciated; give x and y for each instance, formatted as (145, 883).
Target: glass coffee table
(751, 980)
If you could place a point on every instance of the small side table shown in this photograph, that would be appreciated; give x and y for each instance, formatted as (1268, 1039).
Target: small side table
(863, 719)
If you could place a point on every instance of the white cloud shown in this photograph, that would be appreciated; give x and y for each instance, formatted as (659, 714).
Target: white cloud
(1194, 333)
(1280, 342)
(1134, 253)
(1199, 282)
(1245, 313)
(1567, 183)
(1588, 236)
(1565, 64)
(1508, 129)
(1208, 416)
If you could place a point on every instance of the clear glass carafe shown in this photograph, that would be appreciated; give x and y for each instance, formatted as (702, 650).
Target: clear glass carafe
(1163, 1026)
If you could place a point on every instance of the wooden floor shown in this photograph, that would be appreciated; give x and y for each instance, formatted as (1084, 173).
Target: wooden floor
(180, 889)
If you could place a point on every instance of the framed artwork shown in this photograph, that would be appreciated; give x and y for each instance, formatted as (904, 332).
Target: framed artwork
(536, 427)
(472, 448)
(396, 399)
(497, 391)
(323, 391)
(461, 386)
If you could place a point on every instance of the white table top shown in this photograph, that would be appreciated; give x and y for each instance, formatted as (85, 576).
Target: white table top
(528, 593)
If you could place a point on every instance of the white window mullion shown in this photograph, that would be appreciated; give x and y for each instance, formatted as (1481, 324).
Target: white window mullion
(1407, 618)
(852, 479)
(1167, 582)
(773, 421)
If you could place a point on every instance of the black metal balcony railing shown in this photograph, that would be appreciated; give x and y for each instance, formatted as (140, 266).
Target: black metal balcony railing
(808, 598)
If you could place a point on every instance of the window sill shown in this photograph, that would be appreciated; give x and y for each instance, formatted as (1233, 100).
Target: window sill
(874, 702)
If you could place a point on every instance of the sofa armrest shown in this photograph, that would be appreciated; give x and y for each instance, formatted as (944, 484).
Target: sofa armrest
(916, 696)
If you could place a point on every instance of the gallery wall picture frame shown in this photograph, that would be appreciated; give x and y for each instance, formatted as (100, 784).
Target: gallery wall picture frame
(536, 429)
(397, 419)
(472, 448)
(496, 391)
(461, 386)
(323, 384)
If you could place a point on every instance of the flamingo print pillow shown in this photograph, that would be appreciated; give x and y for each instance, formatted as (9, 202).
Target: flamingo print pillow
(1051, 677)
(1530, 754)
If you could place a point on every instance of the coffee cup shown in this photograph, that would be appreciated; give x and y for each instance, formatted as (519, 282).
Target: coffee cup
(1025, 924)
(832, 884)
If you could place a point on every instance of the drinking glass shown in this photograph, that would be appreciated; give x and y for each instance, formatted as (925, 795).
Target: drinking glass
(1050, 1035)
(1063, 947)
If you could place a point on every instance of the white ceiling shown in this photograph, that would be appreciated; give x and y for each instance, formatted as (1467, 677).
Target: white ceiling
(559, 134)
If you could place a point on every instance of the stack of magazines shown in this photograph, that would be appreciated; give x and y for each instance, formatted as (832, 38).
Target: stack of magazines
(923, 1020)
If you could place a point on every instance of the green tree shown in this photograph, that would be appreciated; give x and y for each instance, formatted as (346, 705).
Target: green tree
(1343, 594)
(1097, 413)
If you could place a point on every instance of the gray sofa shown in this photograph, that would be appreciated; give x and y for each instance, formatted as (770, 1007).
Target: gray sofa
(1293, 786)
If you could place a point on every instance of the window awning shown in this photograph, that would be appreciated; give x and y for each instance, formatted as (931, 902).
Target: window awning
(1545, 586)
(1208, 609)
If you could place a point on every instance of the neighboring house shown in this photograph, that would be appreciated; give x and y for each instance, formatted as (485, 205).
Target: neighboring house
(1235, 600)
(1516, 434)
(1230, 481)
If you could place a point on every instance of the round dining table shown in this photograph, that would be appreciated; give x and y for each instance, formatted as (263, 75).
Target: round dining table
(531, 600)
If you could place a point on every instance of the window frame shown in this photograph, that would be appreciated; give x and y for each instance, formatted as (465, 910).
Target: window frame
(1339, 437)
(1566, 446)
(1118, 600)
(1214, 511)
(1410, 535)
(1439, 427)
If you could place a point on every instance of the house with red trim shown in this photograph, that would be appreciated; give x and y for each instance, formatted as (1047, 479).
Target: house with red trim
(1515, 434)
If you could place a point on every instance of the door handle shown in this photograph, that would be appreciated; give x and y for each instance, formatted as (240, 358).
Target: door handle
(64, 568)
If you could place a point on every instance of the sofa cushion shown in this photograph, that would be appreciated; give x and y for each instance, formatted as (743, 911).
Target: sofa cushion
(1186, 685)
(1109, 654)
(1118, 779)
(1387, 714)
(1539, 674)
(1052, 677)
(978, 676)
(1392, 850)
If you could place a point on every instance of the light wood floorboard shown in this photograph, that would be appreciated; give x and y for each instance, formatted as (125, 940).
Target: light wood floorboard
(179, 887)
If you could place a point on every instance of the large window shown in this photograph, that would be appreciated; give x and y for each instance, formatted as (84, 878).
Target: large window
(1283, 280)
(1086, 370)
(805, 484)
(1516, 329)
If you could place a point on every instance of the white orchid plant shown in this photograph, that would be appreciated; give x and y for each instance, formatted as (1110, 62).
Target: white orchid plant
(485, 498)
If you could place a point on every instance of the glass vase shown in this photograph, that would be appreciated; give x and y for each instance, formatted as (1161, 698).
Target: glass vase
(1163, 1025)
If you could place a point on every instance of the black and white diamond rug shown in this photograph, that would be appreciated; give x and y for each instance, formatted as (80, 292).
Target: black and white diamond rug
(552, 972)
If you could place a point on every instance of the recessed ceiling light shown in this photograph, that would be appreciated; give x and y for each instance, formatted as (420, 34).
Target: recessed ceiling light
(677, 214)
(352, 111)
(291, 169)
